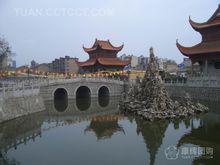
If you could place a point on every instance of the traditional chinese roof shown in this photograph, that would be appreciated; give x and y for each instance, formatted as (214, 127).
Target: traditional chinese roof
(201, 48)
(213, 21)
(106, 45)
(210, 43)
(104, 61)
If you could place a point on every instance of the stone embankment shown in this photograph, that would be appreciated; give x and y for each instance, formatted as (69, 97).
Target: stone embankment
(14, 107)
(150, 100)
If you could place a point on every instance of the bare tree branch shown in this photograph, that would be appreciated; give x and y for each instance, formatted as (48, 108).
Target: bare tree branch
(5, 52)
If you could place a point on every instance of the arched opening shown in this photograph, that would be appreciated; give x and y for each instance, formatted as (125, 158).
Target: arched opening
(83, 98)
(60, 93)
(103, 96)
(103, 101)
(103, 92)
(60, 99)
(83, 92)
(83, 104)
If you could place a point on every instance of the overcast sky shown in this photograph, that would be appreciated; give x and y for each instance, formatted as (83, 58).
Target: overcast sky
(47, 29)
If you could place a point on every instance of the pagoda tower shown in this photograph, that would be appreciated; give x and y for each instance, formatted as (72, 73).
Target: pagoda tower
(103, 57)
(207, 52)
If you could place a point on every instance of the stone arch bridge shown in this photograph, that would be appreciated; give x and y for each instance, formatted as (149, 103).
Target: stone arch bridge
(72, 88)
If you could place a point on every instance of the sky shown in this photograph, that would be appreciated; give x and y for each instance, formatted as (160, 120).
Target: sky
(47, 29)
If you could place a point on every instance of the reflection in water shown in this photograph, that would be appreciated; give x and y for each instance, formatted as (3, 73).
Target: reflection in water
(104, 126)
(83, 104)
(61, 104)
(19, 131)
(153, 134)
(43, 133)
(4, 160)
(103, 101)
(206, 135)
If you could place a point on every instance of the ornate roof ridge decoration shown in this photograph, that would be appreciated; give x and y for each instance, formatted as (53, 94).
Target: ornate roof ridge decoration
(103, 44)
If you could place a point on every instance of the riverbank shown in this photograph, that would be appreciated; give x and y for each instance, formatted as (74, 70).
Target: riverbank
(14, 107)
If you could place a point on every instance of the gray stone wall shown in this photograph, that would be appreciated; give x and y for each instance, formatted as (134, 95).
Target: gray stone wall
(200, 93)
(14, 107)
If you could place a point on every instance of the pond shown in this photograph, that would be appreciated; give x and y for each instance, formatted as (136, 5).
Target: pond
(93, 131)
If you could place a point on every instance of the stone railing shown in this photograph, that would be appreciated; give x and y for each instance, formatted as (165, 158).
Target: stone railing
(18, 90)
(31, 87)
(84, 79)
(198, 81)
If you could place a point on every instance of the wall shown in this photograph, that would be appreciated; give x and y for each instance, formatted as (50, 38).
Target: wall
(14, 107)
(197, 93)
(200, 93)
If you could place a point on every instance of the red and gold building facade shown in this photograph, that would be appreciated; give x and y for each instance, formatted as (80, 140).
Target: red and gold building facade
(102, 57)
(206, 53)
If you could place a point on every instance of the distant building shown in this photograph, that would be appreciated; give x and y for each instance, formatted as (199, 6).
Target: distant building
(22, 69)
(206, 53)
(13, 64)
(33, 64)
(43, 68)
(142, 63)
(172, 68)
(137, 62)
(103, 57)
(65, 64)
(187, 62)
(126, 57)
(160, 63)
(123, 57)
(134, 61)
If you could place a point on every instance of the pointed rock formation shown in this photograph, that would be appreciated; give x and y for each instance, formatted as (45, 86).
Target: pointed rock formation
(150, 99)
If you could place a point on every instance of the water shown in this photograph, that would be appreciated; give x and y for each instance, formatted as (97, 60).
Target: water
(92, 131)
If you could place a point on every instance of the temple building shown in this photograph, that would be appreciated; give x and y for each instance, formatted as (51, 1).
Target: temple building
(102, 57)
(206, 53)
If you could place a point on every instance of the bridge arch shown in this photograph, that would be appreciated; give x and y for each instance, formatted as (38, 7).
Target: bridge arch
(60, 99)
(60, 93)
(83, 92)
(103, 91)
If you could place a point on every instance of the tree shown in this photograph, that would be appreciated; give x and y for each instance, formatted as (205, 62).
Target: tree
(5, 53)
